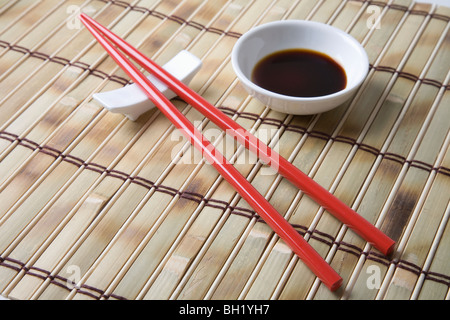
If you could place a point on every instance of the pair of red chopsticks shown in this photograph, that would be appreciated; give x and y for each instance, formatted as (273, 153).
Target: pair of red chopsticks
(265, 210)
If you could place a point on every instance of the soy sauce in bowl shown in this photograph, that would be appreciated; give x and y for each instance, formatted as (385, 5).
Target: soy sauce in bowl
(299, 73)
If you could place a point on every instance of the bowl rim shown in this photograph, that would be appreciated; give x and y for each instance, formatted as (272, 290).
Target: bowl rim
(240, 74)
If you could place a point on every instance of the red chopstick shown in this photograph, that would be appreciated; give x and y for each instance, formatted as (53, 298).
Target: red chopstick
(285, 230)
(327, 200)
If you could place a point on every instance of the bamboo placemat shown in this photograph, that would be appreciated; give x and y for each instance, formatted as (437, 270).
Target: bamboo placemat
(95, 206)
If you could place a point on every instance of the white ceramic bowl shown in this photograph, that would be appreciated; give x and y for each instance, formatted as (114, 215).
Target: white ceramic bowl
(268, 38)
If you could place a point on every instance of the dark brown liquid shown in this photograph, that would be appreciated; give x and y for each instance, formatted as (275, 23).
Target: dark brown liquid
(299, 73)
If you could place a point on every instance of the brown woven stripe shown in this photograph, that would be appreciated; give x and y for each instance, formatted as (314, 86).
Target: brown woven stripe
(96, 293)
(124, 81)
(231, 112)
(180, 20)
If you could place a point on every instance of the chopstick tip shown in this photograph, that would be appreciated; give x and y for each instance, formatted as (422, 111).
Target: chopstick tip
(390, 249)
(336, 285)
(83, 17)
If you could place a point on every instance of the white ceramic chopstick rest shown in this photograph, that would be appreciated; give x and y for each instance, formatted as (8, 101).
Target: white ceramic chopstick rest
(132, 102)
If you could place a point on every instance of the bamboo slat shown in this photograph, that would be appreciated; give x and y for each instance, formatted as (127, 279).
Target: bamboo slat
(95, 206)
